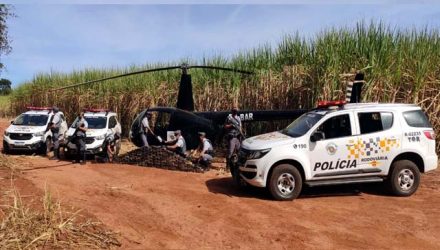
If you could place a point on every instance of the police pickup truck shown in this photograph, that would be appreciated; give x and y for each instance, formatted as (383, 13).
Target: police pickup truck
(102, 123)
(30, 131)
(340, 143)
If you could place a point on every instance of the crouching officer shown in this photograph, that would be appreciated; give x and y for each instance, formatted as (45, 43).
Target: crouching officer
(206, 150)
(55, 125)
(109, 148)
(79, 138)
(178, 145)
(234, 134)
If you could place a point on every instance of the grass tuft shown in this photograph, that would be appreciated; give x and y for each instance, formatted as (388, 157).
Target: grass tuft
(50, 227)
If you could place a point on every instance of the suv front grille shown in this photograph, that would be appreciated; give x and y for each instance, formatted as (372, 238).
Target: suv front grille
(89, 140)
(20, 136)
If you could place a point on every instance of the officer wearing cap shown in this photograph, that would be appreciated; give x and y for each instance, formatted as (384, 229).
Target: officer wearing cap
(234, 133)
(178, 145)
(206, 150)
(81, 126)
(146, 129)
(109, 147)
(55, 129)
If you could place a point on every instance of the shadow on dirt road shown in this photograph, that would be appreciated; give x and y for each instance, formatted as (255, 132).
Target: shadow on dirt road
(226, 186)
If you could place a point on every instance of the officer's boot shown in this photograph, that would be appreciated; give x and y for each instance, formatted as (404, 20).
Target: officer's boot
(78, 156)
(83, 157)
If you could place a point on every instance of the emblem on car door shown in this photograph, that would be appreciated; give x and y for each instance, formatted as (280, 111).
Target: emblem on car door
(331, 148)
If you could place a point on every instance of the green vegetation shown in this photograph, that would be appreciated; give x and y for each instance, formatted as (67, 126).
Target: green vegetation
(399, 65)
(5, 105)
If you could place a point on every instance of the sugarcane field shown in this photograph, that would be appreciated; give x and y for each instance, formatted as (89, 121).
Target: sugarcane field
(219, 125)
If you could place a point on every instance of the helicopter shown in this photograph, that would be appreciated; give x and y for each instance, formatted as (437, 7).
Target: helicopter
(190, 122)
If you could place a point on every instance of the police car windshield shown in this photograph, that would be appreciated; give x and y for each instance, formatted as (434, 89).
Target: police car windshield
(93, 122)
(303, 124)
(96, 122)
(31, 120)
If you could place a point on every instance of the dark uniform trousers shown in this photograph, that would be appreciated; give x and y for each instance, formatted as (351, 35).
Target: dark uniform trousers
(233, 147)
(80, 148)
(55, 141)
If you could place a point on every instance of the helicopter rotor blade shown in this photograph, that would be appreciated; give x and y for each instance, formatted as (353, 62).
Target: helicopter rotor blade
(222, 68)
(116, 76)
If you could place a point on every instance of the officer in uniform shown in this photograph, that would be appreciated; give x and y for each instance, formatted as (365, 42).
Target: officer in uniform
(146, 129)
(179, 145)
(55, 129)
(80, 136)
(109, 149)
(206, 150)
(234, 133)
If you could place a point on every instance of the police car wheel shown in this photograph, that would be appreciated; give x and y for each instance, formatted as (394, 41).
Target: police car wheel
(404, 179)
(67, 155)
(6, 149)
(46, 146)
(285, 183)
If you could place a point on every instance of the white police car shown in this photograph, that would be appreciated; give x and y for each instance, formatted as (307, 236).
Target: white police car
(30, 131)
(340, 143)
(101, 124)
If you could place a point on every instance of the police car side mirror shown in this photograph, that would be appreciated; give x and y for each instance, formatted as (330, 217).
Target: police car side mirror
(317, 136)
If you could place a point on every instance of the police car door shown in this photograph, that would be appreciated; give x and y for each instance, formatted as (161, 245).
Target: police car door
(329, 155)
(378, 143)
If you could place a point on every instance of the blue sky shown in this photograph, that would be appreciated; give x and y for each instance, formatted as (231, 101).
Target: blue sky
(64, 37)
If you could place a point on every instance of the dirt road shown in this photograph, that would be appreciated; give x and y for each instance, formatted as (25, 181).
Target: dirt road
(154, 208)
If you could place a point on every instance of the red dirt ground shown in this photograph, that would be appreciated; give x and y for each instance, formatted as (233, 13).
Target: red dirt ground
(155, 208)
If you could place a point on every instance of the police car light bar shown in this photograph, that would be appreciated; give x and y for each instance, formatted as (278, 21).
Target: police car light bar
(326, 104)
(38, 108)
(93, 110)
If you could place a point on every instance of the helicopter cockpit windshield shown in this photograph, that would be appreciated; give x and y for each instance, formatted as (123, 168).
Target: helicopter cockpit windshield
(160, 122)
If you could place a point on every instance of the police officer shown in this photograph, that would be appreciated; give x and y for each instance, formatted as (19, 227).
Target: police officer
(234, 133)
(80, 136)
(206, 150)
(55, 129)
(179, 145)
(109, 148)
(146, 129)
(117, 130)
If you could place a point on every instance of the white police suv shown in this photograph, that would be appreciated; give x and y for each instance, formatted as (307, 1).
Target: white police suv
(340, 143)
(30, 131)
(101, 123)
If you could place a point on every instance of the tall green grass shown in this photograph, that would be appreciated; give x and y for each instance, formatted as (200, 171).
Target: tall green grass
(5, 106)
(399, 65)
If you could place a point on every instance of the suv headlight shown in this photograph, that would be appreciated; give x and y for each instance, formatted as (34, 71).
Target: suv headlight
(257, 154)
(38, 134)
(100, 137)
(6, 133)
